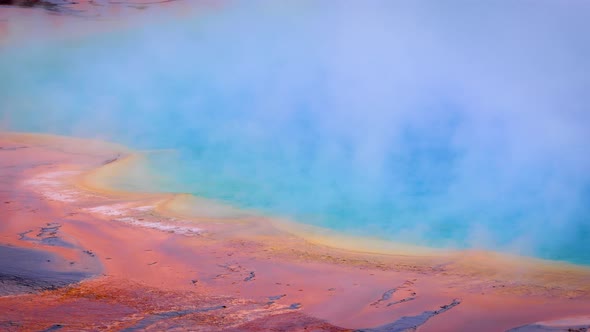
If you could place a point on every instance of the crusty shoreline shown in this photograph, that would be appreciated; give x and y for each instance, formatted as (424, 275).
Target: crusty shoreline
(210, 273)
(188, 207)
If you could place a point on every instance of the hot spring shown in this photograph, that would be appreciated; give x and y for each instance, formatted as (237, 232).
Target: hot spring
(456, 125)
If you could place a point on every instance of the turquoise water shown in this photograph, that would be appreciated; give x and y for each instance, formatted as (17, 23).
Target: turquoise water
(464, 127)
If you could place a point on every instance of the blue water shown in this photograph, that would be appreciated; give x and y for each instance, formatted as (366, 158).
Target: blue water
(464, 127)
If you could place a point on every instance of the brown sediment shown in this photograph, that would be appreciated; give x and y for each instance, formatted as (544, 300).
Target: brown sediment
(172, 261)
(27, 21)
(90, 6)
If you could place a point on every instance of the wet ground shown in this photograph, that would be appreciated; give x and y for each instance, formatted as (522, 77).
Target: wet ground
(30, 270)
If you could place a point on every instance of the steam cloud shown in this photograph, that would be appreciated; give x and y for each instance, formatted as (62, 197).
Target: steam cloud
(450, 124)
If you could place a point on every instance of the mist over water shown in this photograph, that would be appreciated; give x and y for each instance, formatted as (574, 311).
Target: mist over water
(462, 126)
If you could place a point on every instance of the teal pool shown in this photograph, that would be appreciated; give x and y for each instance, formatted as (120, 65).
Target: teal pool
(458, 127)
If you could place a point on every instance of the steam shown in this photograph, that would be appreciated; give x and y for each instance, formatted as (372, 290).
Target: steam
(462, 125)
